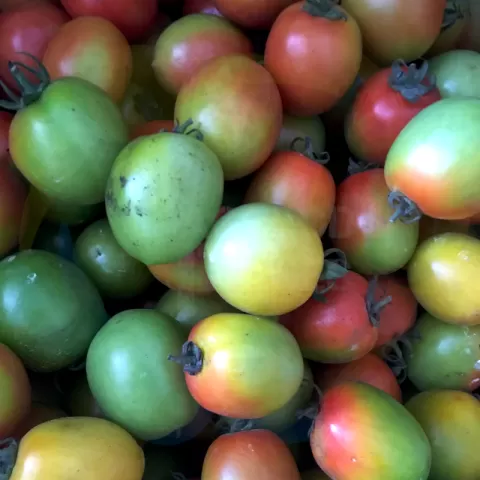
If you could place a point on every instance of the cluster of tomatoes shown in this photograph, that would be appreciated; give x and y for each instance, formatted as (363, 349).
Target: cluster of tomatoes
(191, 286)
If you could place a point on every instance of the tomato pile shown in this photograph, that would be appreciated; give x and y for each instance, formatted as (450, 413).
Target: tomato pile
(239, 239)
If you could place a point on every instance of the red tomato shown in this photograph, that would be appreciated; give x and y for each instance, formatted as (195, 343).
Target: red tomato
(252, 13)
(16, 392)
(313, 58)
(339, 329)
(258, 454)
(200, 6)
(393, 29)
(93, 49)
(293, 180)
(134, 18)
(150, 128)
(384, 105)
(369, 369)
(5, 121)
(27, 29)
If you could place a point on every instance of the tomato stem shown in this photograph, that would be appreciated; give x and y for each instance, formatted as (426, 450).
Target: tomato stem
(324, 8)
(374, 308)
(191, 358)
(359, 166)
(8, 455)
(392, 354)
(453, 12)
(405, 209)
(182, 129)
(307, 150)
(332, 271)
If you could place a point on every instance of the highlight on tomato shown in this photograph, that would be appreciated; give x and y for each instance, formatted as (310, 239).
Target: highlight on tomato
(315, 73)
(386, 102)
(240, 366)
(362, 431)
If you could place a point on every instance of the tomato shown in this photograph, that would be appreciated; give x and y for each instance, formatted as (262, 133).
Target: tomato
(28, 28)
(311, 75)
(162, 197)
(81, 402)
(444, 137)
(339, 329)
(299, 182)
(134, 18)
(78, 448)
(444, 355)
(251, 13)
(369, 369)
(38, 414)
(295, 127)
(150, 128)
(263, 259)
(441, 275)
(451, 421)
(233, 83)
(65, 213)
(57, 310)
(257, 454)
(384, 105)
(200, 6)
(5, 121)
(363, 433)
(16, 392)
(94, 49)
(362, 229)
(189, 43)
(233, 365)
(393, 29)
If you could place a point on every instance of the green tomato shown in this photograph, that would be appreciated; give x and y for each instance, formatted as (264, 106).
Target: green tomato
(49, 310)
(301, 127)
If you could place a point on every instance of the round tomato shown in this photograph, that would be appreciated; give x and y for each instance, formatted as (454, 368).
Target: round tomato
(189, 43)
(263, 259)
(144, 392)
(301, 127)
(233, 83)
(362, 432)
(5, 121)
(200, 6)
(386, 102)
(134, 18)
(443, 355)
(362, 229)
(443, 137)
(257, 454)
(393, 29)
(93, 449)
(451, 421)
(312, 75)
(94, 49)
(442, 275)
(233, 365)
(152, 127)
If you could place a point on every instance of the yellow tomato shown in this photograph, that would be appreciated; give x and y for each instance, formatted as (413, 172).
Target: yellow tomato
(78, 448)
(443, 275)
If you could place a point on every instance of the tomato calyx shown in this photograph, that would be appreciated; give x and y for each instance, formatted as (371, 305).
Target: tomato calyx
(191, 358)
(405, 210)
(393, 355)
(184, 129)
(373, 306)
(30, 91)
(332, 271)
(8, 455)
(453, 12)
(324, 8)
(410, 81)
(307, 150)
(360, 166)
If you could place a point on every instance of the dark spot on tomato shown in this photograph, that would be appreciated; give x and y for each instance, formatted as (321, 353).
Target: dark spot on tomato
(98, 252)
(123, 181)
(138, 211)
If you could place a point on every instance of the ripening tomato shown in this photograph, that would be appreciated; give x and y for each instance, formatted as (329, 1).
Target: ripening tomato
(192, 41)
(369, 369)
(314, 54)
(200, 6)
(362, 433)
(241, 366)
(234, 83)
(442, 275)
(362, 229)
(339, 329)
(384, 105)
(258, 454)
(134, 18)
(298, 182)
(393, 29)
(5, 121)
(94, 49)
(150, 128)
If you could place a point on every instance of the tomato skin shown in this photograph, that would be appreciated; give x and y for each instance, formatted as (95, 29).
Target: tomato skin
(239, 350)
(361, 226)
(441, 275)
(444, 134)
(200, 6)
(68, 447)
(312, 76)
(378, 115)
(134, 18)
(393, 29)
(233, 83)
(5, 121)
(94, 49)
(450, 418)
(151, 128)
(16, 392)
(192, 41)
(369, 369)
(358, 421)
(256, 454)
